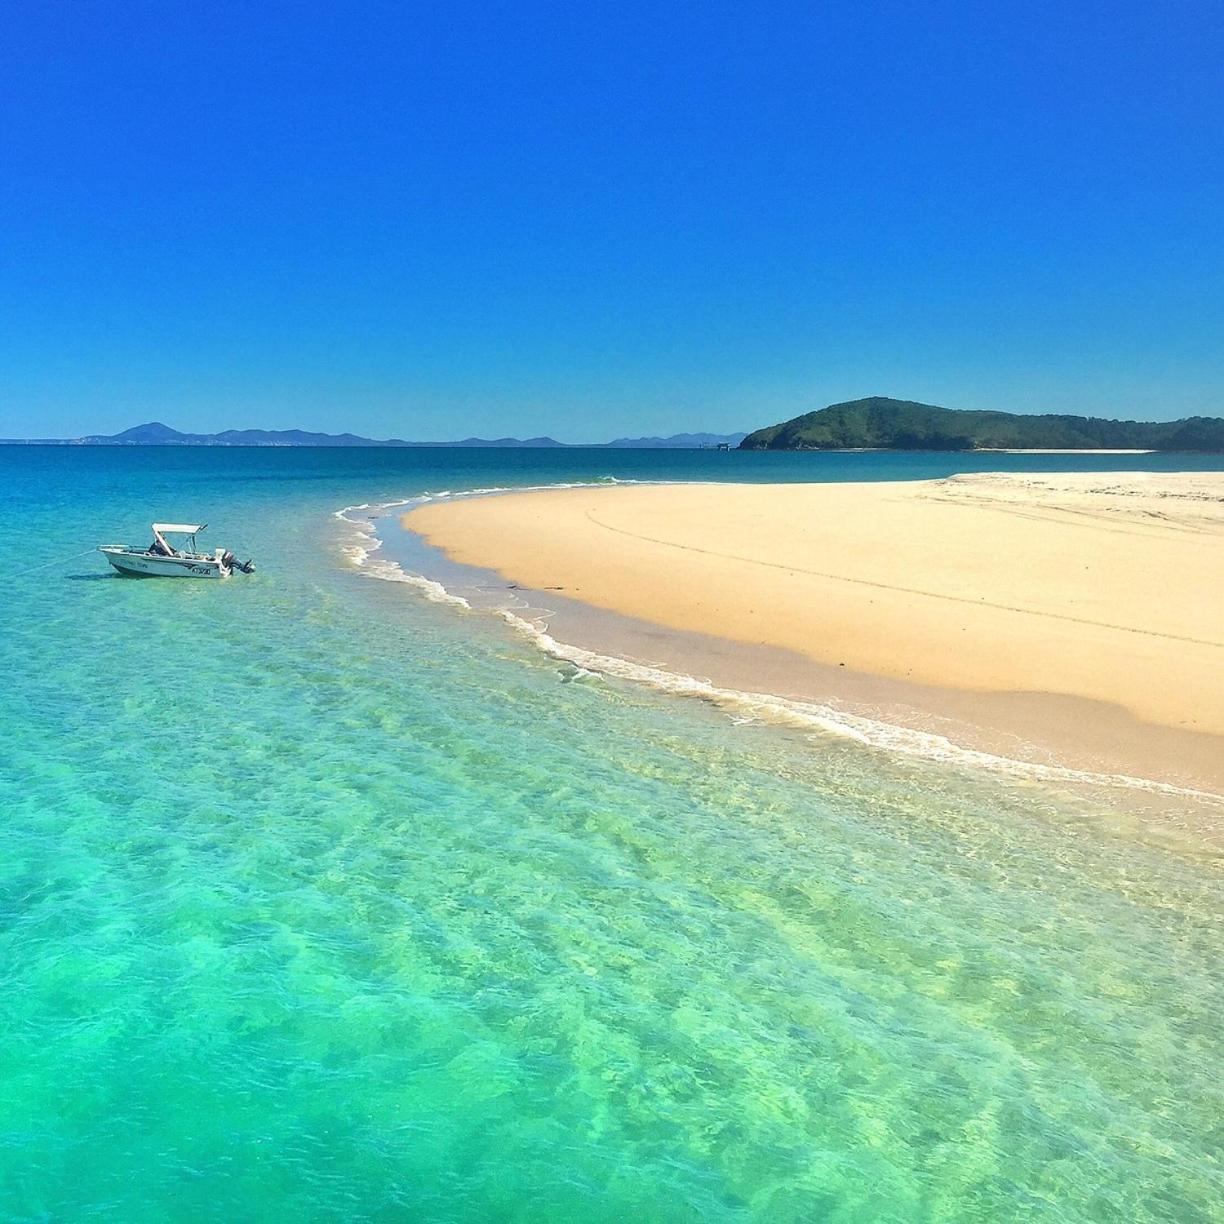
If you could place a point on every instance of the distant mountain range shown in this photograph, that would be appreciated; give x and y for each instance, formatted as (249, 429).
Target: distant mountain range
(890, 424)
(156, 434)
(876, 423)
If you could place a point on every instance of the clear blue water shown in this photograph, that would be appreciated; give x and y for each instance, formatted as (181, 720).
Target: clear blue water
(319, 901)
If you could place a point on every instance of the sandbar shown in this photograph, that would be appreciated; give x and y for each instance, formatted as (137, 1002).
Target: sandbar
(1103, 592)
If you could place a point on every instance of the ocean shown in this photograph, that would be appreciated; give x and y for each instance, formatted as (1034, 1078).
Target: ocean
(323, 899)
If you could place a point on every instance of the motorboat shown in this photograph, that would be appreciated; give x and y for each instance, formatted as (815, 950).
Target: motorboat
(161, 560)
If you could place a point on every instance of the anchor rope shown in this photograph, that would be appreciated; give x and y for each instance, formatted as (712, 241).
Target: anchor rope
(60, 560)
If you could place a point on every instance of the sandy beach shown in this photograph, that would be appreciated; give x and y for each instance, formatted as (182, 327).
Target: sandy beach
(1081, 613)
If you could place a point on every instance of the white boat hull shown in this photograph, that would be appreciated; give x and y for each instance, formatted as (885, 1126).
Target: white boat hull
(150, 565)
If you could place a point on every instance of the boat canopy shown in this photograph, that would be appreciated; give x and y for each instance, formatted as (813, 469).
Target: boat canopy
(179, 528)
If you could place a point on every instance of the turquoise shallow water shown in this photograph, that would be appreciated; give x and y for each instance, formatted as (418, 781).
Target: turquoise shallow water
(322, 901)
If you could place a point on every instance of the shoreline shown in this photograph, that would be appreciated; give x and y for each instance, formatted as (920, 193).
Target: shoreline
(1006, 731)
(512, 536)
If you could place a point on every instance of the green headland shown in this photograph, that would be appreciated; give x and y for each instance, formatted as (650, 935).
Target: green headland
(891, 424)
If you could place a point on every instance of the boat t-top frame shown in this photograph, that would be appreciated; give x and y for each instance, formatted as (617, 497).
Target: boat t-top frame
(161, 530)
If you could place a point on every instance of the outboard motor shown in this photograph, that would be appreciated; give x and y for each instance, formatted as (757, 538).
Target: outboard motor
(229, 560)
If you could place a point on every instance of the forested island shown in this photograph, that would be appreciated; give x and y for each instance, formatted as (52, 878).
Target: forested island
(891, 424)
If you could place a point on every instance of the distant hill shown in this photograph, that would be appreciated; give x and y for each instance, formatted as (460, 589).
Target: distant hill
(154, 433)
(681, 441)
(891, 424)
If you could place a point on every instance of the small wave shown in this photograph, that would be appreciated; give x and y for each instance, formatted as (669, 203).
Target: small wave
(363, 543)
(435, 592)
(364, 540)
(747, 707)
(571, 673)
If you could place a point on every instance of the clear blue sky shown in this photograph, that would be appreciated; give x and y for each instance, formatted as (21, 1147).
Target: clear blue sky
(598, 219)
